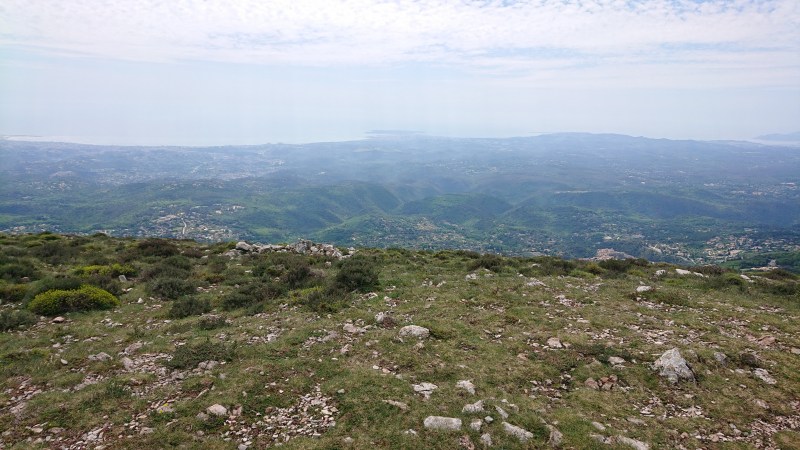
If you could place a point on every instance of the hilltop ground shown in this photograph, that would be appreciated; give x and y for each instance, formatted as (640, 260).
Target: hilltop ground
(216, 348)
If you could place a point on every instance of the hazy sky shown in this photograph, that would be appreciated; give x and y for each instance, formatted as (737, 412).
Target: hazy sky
(254, 71)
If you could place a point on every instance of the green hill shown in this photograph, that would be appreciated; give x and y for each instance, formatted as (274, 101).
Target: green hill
(225, 346)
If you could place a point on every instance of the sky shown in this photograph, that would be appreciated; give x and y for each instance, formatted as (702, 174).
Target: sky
(209, 72)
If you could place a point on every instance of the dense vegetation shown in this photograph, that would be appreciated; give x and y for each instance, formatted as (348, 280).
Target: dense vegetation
(567, 195)
(155, 331)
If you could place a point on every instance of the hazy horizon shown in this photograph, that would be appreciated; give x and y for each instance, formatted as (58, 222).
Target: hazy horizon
(205, 73)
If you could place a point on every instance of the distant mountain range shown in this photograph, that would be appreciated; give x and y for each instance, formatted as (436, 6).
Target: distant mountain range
(568, 194)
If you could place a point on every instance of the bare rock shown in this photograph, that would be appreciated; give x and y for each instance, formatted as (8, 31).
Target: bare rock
(473, 408)
(615, 360)
(127, 363)
(414, 331)
(554, 342)
(58, 319)
(764, 376)
(673, 367)
(641, 289)
(102, 356)
(476, 425)
(520, 433)
(442, 423)
(217, 410)
(426, 389)
(638, 445)
(556, 438)
(400, 405)
(352, 329)
(486, 439)
(467, 386)
(502, 412)
(721, 358)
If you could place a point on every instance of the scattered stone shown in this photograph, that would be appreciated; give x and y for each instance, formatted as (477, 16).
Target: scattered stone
(348, 440)
(217, 410)
(476, 424)
(385, 320)
(599, 426)
(400, 405)
(426, 389)
(410, 432)
(640, 289)
(467, 386)
(488, 419)
(591, 384)
(58, 319)
(661, 272)
(123, 279)
(352, 329)
(64, 361)
(147, 430)
(556, 437)
(638, 445)
(486, 439)
(615, 360)
(520, 433)
(601, 439)
(764, 376)
(442, 423)
(749, 359)
(133, 348)
(795, 351)
(502, 412)
(414, 331)
(127, 363)
(201, 416)
(473, 408)
(721, 358)
(673, 367)
(102, 356)
(554, 342)
(766, 341)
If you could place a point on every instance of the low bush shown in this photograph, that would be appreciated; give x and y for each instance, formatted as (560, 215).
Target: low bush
(488, 261)
(13, 292)
(112, 270)
(18, 270)
(189, 306)
(15, 318)
(153, 247)
(252, 293)
(357, 273)
(190, 355)
(170, 288)
(49, 284)
(211, 322)
(59, 301)
(324, 300)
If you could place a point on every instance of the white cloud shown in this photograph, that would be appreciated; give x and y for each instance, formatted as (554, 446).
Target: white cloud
(714, 41)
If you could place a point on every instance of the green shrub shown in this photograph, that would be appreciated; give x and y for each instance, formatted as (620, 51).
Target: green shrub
(488, 261)
(154, 247)
(727, 279)
(549, 266)
(15, 318)
(190, 355)
(59, 301)
(324, 300)
(356, 274)
(251, 294)
(211, 322)
(113, 270)
(297, 276)
(189, 306)
(164, 270)
(13, 292)
(17, 270)
(49, 284)
(170, 288)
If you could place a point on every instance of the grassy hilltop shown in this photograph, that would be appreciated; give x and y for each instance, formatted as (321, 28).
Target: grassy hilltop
(123, 343)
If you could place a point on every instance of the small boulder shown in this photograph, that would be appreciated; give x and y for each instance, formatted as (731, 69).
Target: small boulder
(520, 433)
(764, 376)
(414, 331)
(554, 342)
(721, 358)
(641, 289)
(58, 319)
(638, 445)
(615, 360)
(426, 389)
(102, 356)
(352, 329)
(467, 386)
(486, 439)
(673, 367)
(127, 363)
(442, 423)
(217, 410)
(556, 438)
(473, 408)
(476, 425)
